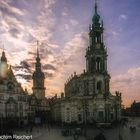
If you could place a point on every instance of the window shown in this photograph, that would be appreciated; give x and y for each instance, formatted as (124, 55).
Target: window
(112, 116)
(79, 118)
(68, 115)
(98, 64)
(100, 115)
(21, 107)
(99, 86)
(86, 87)
(96, 39)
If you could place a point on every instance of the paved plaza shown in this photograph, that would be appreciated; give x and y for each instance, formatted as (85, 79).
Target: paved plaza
(112, 134)
(54, 133)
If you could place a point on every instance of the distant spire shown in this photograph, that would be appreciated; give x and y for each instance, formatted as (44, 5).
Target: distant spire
(37, 49)
(3, 48)
(38, 64)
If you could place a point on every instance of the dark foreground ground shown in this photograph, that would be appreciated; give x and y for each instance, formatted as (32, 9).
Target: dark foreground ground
(55, 133)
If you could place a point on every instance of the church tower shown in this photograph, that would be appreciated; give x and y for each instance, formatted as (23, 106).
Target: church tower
(3, 65)
(90, 91)
(38, 79)
(96, 55)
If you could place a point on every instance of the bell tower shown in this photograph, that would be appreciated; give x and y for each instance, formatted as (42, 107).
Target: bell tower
(96, 54)
(3, 65)
(38, 78)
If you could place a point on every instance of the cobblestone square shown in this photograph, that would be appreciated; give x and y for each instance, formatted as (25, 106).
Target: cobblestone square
(54, 133)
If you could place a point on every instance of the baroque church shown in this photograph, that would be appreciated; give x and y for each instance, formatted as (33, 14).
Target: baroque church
(12, 96)
(16, 104)
(87, 96)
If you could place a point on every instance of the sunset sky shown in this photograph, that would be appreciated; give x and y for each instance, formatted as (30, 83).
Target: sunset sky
(61, 26)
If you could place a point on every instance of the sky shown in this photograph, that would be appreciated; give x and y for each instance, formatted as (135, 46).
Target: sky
(61, 27)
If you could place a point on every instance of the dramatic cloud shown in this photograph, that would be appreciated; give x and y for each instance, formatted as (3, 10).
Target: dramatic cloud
(49, 67)
(61, 27)
(25, 65)
(48, 75)
(24, 76)
(14, 32)
(23, 72)
(6, 8)
(123, 17)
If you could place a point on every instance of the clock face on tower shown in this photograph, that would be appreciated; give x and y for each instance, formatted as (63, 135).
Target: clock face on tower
(39, 82)
(98, 46)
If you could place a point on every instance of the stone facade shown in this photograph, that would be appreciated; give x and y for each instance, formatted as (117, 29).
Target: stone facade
(13, 99)
(15, 102)
(87, 96)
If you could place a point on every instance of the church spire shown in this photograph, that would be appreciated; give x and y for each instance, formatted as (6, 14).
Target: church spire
(96, 53)
(3, 57)
(37, 53)
(96, 16)
(37, 64)
(37, 49)
(38, 77)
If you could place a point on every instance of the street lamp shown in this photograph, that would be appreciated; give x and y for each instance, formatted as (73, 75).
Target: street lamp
(1, 123)
(85, 116)
(1, 116)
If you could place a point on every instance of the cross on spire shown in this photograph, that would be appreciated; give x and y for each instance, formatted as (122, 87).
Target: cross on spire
(37, 49)
(95, 6)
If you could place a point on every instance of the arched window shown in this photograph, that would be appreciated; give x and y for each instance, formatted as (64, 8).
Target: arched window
(68, 115)
(98, 64)
(79, 117)
(96, 39)
(99, 86)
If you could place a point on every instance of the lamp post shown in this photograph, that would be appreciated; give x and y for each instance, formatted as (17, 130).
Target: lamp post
(85, 116)
(1, 123)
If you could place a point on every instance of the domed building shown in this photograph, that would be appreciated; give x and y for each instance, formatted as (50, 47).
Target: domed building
(13, 99)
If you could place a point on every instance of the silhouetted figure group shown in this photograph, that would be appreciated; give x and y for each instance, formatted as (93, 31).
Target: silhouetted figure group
(100, 136)
(132, 129)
